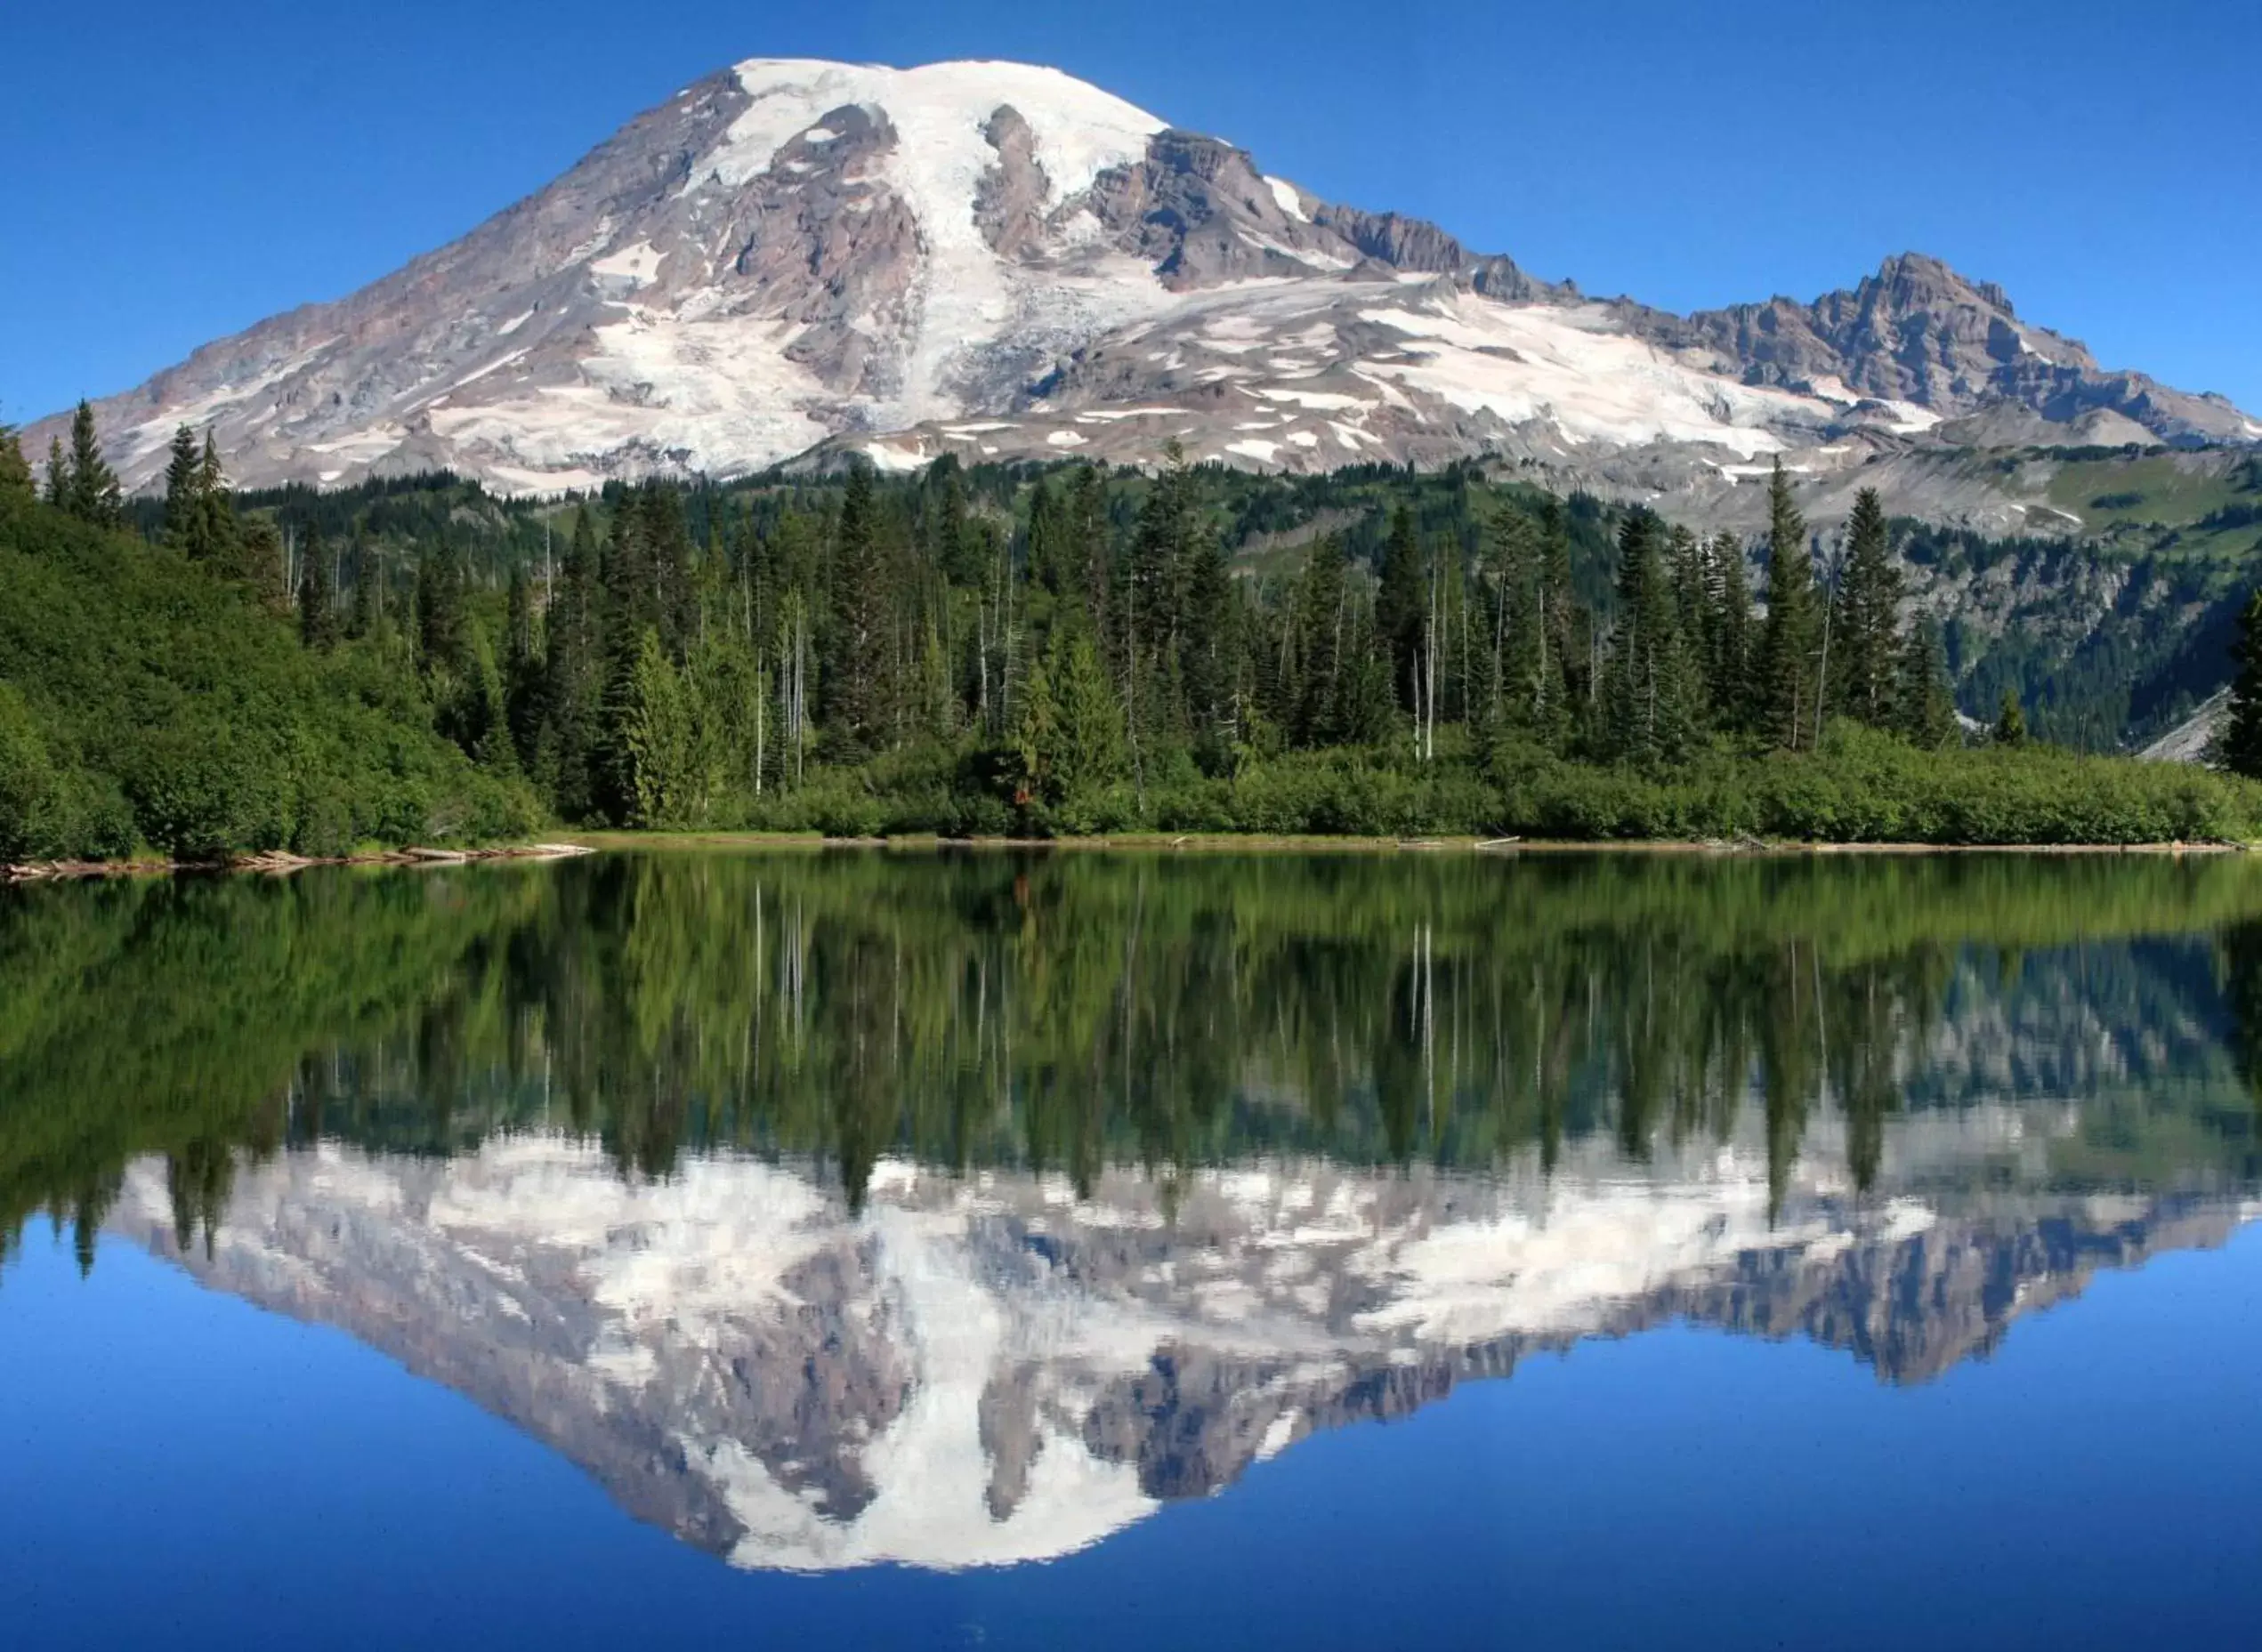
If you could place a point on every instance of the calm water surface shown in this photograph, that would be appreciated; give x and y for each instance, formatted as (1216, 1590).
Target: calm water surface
(1111, 1251)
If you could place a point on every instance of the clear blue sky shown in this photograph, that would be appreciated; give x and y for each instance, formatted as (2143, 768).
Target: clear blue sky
(181, 171)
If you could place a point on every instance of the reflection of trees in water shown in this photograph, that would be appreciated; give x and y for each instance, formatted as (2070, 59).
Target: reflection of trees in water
(2239, 951)
(1064, 1011)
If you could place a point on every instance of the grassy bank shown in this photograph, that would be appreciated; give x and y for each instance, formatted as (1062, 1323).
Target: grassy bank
(1860, 788)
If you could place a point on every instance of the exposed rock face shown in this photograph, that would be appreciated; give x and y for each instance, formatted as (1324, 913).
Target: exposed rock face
(985, 1370)
(1917, 332)
(995, 259)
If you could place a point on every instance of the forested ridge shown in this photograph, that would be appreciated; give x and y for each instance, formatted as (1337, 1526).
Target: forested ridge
(1018, 650)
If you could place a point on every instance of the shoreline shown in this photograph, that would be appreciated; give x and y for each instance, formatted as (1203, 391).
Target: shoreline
(280, 862)
(277, 863)
(1230, 842)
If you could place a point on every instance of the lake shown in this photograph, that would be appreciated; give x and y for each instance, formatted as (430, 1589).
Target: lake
(999, 1249)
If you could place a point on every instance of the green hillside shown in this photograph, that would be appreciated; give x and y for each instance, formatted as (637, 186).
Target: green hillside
(148, 703)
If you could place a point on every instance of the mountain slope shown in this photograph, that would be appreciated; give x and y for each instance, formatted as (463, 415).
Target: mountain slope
(993, 258)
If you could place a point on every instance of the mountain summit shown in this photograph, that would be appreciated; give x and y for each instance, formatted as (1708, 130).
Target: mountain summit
(998, 260)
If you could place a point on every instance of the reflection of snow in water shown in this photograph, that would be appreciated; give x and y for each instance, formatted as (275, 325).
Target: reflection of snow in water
(953, 1377)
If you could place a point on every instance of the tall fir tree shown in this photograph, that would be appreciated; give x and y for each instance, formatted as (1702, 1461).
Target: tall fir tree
(857, 640)
(524, 679)
(1088, 558)
(92, 492)
(211, 535)
(1401, 602)
(1048, 544)
(183, 492)
(2237, 745)
(1924, 703)
(2010, 720)
(1731, 651)
(1648, 712)
(1164, 549)
(318, 616)
(1791, 640)
(259, 561)
(1316, 640)
(15, 476)
(657, 739)
(1689, 560)
(1210, 648)
(1865, 645)
(668, 554)
(56, 489)
(443, 638)
(572, 696)
(364, 616)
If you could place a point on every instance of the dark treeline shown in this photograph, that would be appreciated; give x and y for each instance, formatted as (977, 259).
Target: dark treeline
(1033, 650)
(1075, 1013)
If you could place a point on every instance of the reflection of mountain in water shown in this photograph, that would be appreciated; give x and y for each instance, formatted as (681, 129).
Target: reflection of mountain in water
(623, 1149)
(990, 1368)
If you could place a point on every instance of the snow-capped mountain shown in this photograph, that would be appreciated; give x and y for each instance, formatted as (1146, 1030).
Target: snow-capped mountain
(991, 259)
(987, 1369)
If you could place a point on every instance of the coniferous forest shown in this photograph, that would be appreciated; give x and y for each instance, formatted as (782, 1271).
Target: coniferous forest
(995, 651)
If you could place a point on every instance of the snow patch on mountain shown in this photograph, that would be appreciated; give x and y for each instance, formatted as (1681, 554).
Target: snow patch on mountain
(1526, 362)
(1289, 198)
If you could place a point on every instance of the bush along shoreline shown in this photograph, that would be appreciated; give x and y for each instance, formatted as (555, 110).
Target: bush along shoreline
(1025, 653)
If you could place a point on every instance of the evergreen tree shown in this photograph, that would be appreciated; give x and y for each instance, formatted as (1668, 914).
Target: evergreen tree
(1790, 639)
(215, 537)
(656, 738)
(1923, 701)
(1164, 551)
(856, 709)
(362, 620)
(1688, 559)
(1865, 648)
(92, 492)
(522, 667)
(15, 476)
(1210, 649)
(667, 548)
(1089, 753)
(443, 643)
(1729, 632)
(1648, 710)
(57, 490)
(955, 551)
(1068, 731)
(1048, 540)
(2010, 722)
(1089, 554)
(1036, 736)
(2237, 745)
(1401, 605)
(1367, 710)
(1315, 639)
(317, 618)
(571, 696)
(257, 560)
(183, 492)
